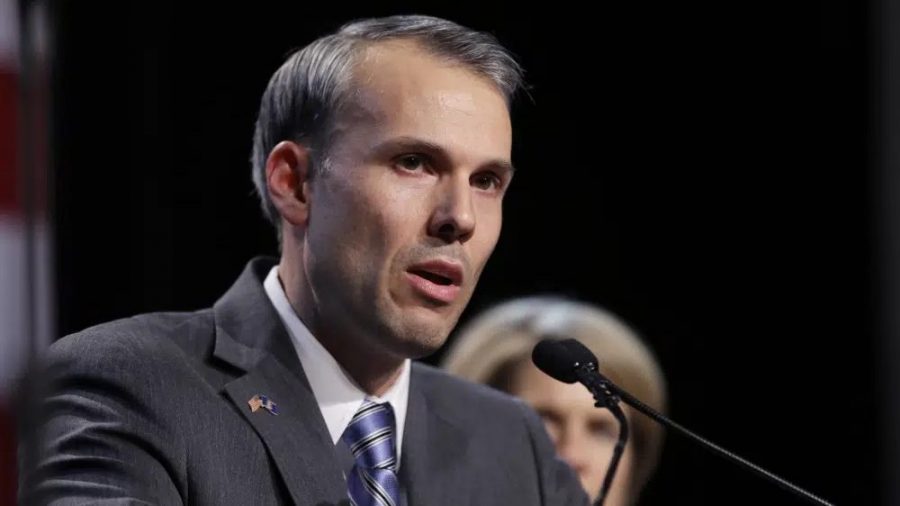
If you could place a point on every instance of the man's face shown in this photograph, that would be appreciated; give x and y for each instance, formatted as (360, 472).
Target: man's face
(403, 221)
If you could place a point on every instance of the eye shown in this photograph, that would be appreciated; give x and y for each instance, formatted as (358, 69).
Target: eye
(602, 429)
(411, 163)
(552, 422)
(487, 181)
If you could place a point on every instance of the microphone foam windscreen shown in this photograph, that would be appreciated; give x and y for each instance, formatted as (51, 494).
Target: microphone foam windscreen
(556, 359)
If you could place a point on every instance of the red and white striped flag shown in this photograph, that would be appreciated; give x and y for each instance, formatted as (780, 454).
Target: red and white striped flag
(13, 336)
(26, 315)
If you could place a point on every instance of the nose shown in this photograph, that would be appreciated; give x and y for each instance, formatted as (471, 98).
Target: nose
(571, 447)
(453, 218)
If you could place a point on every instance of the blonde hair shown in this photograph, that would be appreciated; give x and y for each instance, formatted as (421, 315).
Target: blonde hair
(489, 346)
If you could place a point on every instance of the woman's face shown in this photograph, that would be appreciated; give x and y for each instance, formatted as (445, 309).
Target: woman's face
(584, 435)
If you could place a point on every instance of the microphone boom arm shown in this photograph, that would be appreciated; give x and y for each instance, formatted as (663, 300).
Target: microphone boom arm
(610, 393)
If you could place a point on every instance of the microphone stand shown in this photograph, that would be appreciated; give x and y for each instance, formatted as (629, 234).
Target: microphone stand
(608, 395)
(589, 377)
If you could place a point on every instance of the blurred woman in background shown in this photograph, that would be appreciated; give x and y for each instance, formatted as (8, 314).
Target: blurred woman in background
(495, 349)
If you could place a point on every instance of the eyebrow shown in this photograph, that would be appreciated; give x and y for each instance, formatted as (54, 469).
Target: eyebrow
(415, 144)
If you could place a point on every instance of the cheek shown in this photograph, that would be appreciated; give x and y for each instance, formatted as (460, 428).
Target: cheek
(345, 234)
(395, 224)
(624, 471)
(627, 461)
(487, 233)
(490, 213)
(386, 223)
(362, 210)
(601, 448)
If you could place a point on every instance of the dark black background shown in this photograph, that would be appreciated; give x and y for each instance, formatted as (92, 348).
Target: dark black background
(702, 170)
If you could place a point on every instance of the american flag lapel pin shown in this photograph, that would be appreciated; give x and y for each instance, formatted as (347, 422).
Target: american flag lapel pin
(261, 401)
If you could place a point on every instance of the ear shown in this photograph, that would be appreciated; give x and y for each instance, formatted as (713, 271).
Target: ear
(287, 178)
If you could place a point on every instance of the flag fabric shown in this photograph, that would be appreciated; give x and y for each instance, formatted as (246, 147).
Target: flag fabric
(258, 402)
(13, 332)
(27, 319)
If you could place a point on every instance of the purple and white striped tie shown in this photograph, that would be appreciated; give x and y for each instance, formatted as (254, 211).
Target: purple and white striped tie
(370, 437)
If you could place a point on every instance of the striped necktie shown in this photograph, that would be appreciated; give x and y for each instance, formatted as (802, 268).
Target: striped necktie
(370, 437)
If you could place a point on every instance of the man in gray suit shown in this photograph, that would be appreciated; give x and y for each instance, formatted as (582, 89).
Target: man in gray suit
(382, 155)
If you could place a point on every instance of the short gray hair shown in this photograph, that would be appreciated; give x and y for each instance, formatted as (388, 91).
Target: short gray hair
(309, 89)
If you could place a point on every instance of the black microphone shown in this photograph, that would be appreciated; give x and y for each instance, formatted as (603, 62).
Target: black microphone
(558, 359)
(568, 360)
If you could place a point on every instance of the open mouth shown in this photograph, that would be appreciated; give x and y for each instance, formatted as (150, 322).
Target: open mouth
(433, 277)
(437, 280)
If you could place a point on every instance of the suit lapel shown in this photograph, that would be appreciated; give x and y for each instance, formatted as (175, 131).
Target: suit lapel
(434, 452)
(251, 338)
(296, 437)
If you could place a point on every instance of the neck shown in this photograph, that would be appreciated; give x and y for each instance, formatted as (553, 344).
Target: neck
(375, 375)
(373, 369)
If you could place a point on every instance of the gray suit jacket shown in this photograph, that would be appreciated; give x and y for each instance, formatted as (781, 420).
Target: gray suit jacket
(153, 409)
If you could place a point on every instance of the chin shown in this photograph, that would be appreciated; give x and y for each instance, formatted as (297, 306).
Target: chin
(418, 348)
(414, 330)
(418, 338)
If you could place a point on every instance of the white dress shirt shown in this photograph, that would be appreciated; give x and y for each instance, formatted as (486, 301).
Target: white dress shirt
(339, 397)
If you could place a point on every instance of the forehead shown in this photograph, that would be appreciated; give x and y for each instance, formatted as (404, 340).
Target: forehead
(399, 89)
(532, 384)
